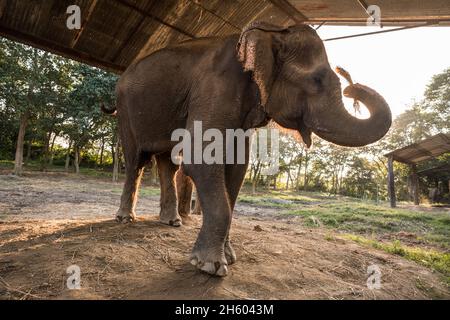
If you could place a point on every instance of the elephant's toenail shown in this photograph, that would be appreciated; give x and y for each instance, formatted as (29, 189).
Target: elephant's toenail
(194, 261)
(223, 271)
(175, 223)
(209, 267)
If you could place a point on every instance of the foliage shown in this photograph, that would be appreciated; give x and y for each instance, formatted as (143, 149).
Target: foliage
(61, 98)
(85, 123)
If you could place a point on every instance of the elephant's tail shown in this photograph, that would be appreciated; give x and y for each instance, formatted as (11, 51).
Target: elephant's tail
(111, 111)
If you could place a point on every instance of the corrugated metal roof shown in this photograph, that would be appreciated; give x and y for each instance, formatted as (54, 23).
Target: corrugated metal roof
(423, 150)
(114, 33)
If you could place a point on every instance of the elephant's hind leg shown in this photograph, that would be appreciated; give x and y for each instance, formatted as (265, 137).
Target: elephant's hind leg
(197, 207)
(167, 169)
(126, 212)
(184, 193)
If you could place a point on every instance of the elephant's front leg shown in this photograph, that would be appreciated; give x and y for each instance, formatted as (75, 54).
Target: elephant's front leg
(168, 201)
(208, 253)
(234, 177)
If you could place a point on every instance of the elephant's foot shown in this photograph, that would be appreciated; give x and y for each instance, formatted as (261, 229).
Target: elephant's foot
(210, 261)
(183, 214)
(229, 253)
(197, 208)
(170, 218)
(125, 216)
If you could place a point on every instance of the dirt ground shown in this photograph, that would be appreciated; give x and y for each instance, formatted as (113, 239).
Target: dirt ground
(51, 221)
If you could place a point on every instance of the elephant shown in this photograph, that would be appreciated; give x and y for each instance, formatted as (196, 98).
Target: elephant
(241, 81)
(184, 189)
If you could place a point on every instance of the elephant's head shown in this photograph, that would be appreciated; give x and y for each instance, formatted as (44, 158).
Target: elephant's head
(299, 90)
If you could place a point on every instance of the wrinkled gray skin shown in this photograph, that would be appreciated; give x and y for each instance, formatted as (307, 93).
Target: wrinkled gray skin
(239, 81)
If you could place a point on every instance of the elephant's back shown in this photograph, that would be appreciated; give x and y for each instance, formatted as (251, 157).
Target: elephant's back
(181, 58)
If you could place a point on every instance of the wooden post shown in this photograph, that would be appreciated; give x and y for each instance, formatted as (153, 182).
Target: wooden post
(391, 186)
(415, 184)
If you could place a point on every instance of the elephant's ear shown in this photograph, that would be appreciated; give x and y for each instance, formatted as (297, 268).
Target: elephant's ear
(255, 49)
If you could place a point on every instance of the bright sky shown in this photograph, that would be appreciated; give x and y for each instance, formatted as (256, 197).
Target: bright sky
(396, 64)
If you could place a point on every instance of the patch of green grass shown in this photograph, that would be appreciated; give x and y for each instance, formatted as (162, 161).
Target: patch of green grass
(439, 261)
(367, 218)
(276, 199)
(262, 201)
(356, 215)
(95, 173)
(150, 191)
(293, 196)
(329, 237)
(35, 165)
(29, 166)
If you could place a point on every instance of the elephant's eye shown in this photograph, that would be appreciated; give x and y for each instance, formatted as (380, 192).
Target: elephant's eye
(317, 81)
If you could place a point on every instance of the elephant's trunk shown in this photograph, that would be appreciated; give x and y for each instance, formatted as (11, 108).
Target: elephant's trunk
(336, 125)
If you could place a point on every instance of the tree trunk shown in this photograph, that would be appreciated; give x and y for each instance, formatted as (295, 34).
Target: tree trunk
(305, 180)
(287, 179)
(28, 157)
(66, 166)
(154, 177)
(113, 152)
(18, 161)
(299, 170)
(256, 176)
(76, 161)
(52, 147)
(115, 176)
(332, 183)
(340, 178)
(45, 154)
(250, 173)
(102, 149)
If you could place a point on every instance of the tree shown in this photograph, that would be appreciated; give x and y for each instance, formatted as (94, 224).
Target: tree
(437, 102)
(30, 83)
(85, 122)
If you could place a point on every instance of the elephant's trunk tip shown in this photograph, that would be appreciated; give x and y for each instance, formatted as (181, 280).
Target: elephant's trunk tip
(111, 111)
(346, 75)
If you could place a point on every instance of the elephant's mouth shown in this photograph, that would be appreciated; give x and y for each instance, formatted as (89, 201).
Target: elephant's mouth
(305, 133)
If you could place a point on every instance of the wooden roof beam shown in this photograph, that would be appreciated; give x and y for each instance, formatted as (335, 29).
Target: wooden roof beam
(86, 20)
(198, 4)
(155, 18)
(290, 10)
(52, 47)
